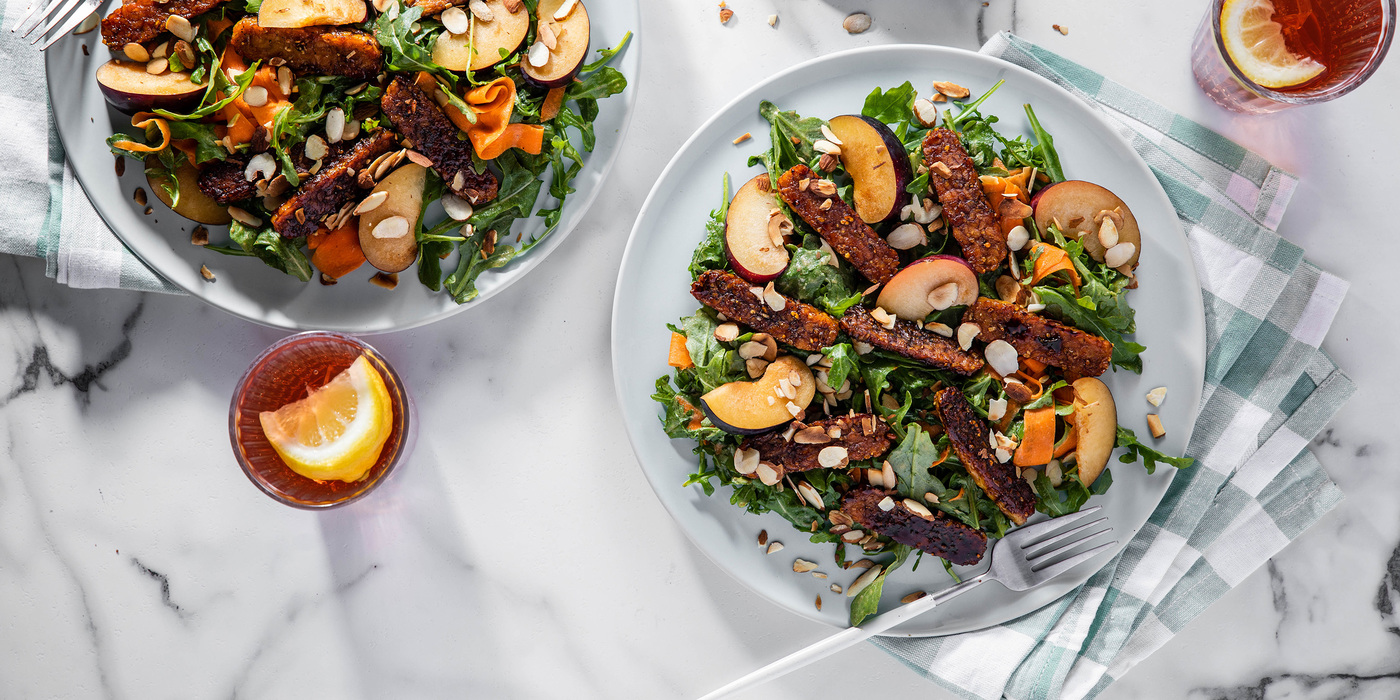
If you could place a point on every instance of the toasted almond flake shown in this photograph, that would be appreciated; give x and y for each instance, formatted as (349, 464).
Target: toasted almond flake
(794, 378)
(862, 564)
(831, 137)
(136, 52)
(180, 27)
(256, 96)
(762, 537)
(926, 112)
(864, 580)
(546, 34)
(942, 329)
(931, 497)
(420, 159)
(824, 187)
(243, 217)
(856, 23)
(745, 461)
(996, 409)
(756, 367)
(162, 50)
(811, 435)
(538, 54)
(967, 332)
(768, 342)
(794, 409)
(952, 90)
(752, 349)
(771, 400)
(943, 296)
(874, 477)
(819, 602)
(1002, 455)
(725, 14)
(1018, 238)
(775, 301)
(1154, 423)
(1157, 396)
(206, 273)
(1108, 233)
(742, 138)
(371, 203)
(1002, 356)
(385, 280)
(392, 227)
(1063, 30)
(1055, 473)
(886, 504)
(917, 508)
(887, 475)
(809, 494)
(818, 574)
(802, 566)
(775, 547)
(772, 20)
(907, 236)
(1119, 254)
(1029, 475)
(260, 166)
(884, 318)
(335, 120)
(726, 332)
(853, 536)
(199, 236)
(456, 21)
(90, 23)
(767, 474)
(942, 168)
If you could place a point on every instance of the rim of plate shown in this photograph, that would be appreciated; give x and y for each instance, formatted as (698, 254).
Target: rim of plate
(524, 266)
(750, 93)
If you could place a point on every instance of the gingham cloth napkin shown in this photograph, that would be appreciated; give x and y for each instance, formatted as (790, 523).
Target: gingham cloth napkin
(47, 215)
(1269, 390)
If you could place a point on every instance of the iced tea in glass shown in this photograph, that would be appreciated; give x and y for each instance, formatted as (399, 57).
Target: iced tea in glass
(1348, 38)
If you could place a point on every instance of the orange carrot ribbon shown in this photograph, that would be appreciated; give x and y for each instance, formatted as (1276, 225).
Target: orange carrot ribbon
(492, 104)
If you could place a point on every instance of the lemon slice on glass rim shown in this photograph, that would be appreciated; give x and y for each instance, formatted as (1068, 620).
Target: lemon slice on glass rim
(1255, 43)
(338, 430)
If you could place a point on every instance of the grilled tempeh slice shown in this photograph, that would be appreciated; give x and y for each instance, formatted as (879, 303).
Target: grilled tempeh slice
(422, 122)
(224, 182)
(332, 187)
(139, 21)
(1077, 353)
(971, 437)
(965, 208)
(910, 341)
(940, 535)
(313, 50)
(839, 225)
(800, 325)
(863, 435)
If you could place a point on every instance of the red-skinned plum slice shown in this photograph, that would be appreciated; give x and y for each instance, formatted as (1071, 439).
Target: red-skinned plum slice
(481, 48)
(127, 86)
(752, 238)
(921, 288)
(570, 49)
(878, 164)
(744, 408)
(1078, 206)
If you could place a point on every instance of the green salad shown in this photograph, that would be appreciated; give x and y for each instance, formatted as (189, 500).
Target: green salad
(903, 322)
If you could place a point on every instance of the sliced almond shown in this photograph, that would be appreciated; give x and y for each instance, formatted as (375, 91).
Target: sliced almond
(775, 301)
(864, 580)
(967, 332)
(180, 27)
(809, 494)
(767, 474)
(726, 332)
(755, 367)
(952, 90)
(371, 203)
(746, 461)
(1157, 396)
(1154, 423)
(775, 547)
(481, 10)
(1119, 254)
(392, 227)
(886, 504)
(912, 597)
(943, 296)
(887, 475)
(926, 112)
(812, 435)
(136, 52)
(832, 457)
(802, 566)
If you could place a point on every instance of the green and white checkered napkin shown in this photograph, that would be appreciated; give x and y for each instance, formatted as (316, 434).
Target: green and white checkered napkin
(1269, 390)
(47, 215)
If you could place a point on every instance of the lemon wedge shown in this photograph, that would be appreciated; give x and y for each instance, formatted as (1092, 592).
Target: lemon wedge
(1255, 42)
(338, 430)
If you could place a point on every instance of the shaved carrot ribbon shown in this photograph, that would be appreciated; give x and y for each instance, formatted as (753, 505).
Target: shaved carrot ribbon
(553, 100)
(941, 458)
(1028, 379)
(1038, 442)
(492, 104)
(679, 355)
(1050, 261)
(243, 119)
(696, 417)
(142, 120)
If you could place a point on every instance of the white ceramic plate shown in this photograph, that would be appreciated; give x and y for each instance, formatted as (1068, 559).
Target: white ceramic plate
(253, 291)
(653, 289)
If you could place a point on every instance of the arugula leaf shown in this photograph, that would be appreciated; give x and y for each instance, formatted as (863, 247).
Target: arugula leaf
(473, 261)
(1045, 147)
(709, 255)
(240, 84)
(911, 460)
(715, 363)
(810, 278)
(207, 146)
(843, 365)
(679, 412)
(1150, 457)
(269, 246)
(867, 602)
(792, 139)
(394, 32)
(604, 82)
(606, 55)
(893, 106)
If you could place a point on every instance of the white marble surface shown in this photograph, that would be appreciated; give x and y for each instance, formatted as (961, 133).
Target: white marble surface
(521, 554)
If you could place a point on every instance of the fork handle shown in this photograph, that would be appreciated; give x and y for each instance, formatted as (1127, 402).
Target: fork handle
(846, 638)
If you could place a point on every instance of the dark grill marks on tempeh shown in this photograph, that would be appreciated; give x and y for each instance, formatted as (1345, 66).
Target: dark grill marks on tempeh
(314, 50)
(139, 21)
(940, 535)
(970, 436)
(224, 181)
(863, 435)
(965, 208)
(422, 122)
(331, 188)
(839, 226)
(800, 325)
(1077, 353)
(910, 341)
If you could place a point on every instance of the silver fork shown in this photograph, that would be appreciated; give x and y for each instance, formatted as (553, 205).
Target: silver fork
(57, 17)
(1027, 557)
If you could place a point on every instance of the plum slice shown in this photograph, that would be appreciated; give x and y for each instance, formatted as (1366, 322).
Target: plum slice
(570, 50)
(1095, 425)
(1080, 208)
(753, 230)
(194, 204)
(878, 164)
(481, 48)
(127, 86)
(922, 287)
(743, 408)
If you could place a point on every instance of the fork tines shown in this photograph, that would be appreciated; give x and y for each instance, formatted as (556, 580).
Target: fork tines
(57, 17)
(1044, 543)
